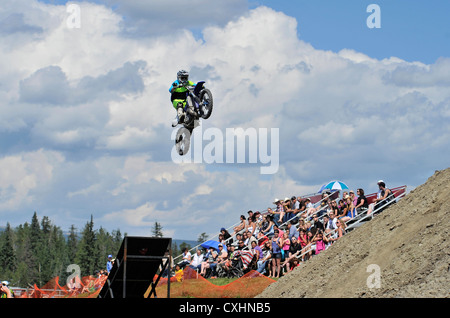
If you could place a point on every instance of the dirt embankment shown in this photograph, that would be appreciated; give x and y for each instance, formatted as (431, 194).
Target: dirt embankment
(403, 252)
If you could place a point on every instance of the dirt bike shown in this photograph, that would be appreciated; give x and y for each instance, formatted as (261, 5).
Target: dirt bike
(199, 104)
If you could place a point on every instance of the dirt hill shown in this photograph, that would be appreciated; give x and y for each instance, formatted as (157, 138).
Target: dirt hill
(409, 242)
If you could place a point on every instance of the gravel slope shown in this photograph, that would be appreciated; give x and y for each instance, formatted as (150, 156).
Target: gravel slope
(409, 242)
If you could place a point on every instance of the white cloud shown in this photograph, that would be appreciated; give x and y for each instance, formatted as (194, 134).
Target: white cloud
(26, 176)
(46, 86)
(421, 75)
(95, 100)
(95, 188)
(157, 17)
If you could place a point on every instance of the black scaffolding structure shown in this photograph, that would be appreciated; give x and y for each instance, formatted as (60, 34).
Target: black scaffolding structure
(134, 270)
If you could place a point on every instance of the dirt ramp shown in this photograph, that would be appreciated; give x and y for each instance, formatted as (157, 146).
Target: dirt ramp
(403, 252)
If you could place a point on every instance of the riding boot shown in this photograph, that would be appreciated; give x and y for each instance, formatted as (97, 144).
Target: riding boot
(180, 116)
(175, 121)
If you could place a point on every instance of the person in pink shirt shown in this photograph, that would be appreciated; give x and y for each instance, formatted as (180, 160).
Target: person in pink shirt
(320, 241)
(285, 245)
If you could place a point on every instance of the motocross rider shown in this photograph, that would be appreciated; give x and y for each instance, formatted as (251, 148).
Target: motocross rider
(178, 97)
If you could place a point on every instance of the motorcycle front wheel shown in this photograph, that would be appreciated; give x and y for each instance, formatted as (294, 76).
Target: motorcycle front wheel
(206, 103)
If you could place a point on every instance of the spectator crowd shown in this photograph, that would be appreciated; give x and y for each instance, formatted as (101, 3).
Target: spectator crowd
(287, 234)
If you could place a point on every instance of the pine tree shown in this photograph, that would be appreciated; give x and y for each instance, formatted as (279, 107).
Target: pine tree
(26, 273)
(44, 250)
(58, 254)
(35, 233)
(202, 238)
(72, 244)
(184, 245)
(36, 244)
(8, 260)
(86, 252)
(105, 246)
(117, 240)
(157, 230)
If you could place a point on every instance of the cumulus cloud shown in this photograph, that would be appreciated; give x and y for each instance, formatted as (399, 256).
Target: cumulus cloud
(157, 17)
(50, 85)
(95, 100)
(15, 23)
(25, 177)
(47, 85)
(421, 75)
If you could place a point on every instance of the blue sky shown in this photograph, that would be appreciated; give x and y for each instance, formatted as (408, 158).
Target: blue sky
(413, 30)
(85, 113)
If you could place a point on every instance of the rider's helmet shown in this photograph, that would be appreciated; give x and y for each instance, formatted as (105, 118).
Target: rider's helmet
(183, 77)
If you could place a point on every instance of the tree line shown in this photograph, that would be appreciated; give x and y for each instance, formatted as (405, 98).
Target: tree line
(34, 253)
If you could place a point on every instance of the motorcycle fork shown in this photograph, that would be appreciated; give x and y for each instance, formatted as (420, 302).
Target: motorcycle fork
(191, 104)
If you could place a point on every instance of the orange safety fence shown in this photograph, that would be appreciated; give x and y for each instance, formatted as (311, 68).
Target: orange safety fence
(194, 285)
(86, 287)
(185, 284)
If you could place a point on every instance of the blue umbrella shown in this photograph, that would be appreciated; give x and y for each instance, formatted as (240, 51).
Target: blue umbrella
(214, 244)
(334, 185)
(322, 188)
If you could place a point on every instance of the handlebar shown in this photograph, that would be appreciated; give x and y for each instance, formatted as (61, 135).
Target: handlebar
(191, 88)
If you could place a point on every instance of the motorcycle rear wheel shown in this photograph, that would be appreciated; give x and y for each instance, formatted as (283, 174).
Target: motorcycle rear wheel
(183, 141)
